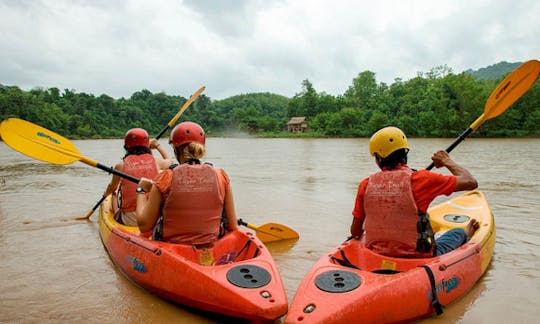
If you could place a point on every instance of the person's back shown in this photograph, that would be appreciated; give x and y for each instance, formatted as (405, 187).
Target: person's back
(196, 192)
(392, 204)
(392, 214)
(136, 165)
(137, 162)
(191, 197)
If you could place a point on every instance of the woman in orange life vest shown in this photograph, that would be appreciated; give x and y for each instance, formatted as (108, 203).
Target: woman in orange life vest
(138, 162)
(392, 203)
(191, 197)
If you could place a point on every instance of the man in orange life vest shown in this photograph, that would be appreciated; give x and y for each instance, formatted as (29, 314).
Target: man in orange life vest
(191, 197)
(138, 162)
(392, 204)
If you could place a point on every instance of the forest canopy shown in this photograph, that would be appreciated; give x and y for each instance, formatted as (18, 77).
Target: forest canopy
(438, 103)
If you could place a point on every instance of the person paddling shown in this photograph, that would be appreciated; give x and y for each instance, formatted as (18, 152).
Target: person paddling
(193, 198)
(137, 162)
(391, 205)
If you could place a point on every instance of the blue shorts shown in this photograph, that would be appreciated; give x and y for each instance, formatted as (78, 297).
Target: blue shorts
(451, 240)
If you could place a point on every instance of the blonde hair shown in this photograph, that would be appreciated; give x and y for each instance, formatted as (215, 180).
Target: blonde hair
(192, 151)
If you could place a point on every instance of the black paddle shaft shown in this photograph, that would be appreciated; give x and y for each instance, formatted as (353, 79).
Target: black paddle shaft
(458, 140)
(97, 204)
(162, 132)
(241, 222)
(116, 172)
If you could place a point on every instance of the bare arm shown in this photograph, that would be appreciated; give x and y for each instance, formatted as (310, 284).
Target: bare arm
(166, 160)
(465, 180)
(356, 227)
(230, 211)
(148, 210)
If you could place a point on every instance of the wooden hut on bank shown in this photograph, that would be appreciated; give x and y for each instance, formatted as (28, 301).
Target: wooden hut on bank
(297, 125)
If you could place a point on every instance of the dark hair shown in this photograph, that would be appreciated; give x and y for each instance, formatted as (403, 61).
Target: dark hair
(137, 150)
(395, 158)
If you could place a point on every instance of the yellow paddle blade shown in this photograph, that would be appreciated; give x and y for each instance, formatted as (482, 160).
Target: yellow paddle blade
(185, 106)
(38, 142)
(509, 91)
(274, 232)
(180, 112)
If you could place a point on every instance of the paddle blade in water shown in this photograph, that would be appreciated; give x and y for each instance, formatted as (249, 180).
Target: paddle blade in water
(38, 142)
(274, 232)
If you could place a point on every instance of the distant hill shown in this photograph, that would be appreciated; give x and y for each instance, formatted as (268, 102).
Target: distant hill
(494, 71)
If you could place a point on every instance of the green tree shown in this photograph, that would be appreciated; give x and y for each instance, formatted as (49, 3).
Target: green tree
(362, 93)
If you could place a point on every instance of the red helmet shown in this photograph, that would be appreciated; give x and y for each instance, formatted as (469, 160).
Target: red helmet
(187, 132)
(136, 137)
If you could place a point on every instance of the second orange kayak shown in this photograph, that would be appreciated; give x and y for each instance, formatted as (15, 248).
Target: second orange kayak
(352, 284)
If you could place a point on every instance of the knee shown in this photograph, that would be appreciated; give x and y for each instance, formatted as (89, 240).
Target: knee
(461, 235)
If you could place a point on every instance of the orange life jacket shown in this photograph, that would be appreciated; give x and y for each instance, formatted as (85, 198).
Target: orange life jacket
(193, 205)
(143, 165)
(392, 215)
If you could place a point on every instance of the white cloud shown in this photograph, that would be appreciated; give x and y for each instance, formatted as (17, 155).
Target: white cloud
(234, 47)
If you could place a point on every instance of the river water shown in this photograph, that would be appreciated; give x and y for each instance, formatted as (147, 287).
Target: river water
(54, 269)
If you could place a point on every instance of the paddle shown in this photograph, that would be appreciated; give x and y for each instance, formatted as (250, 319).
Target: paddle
(507, 92)
(169, 125)
(271, 232)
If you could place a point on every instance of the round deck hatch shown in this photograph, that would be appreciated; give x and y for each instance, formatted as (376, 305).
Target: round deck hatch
(337, 281)
(248, 276)
(456, 218)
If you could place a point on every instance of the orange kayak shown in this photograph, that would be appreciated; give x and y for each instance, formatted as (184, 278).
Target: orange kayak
(352, 284)
(235, 277)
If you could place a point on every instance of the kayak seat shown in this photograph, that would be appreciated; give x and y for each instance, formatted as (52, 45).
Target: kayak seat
(230, 248)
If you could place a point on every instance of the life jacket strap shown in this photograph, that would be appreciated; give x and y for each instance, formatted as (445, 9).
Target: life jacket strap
(426, 236)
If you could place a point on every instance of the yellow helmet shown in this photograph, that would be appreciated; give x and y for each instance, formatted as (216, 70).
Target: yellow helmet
(386, 141)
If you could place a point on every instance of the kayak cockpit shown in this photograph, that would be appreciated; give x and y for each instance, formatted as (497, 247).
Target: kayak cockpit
(353, 254)
(231, 248)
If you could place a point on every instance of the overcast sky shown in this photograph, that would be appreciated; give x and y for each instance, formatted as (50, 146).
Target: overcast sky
(236, 47)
